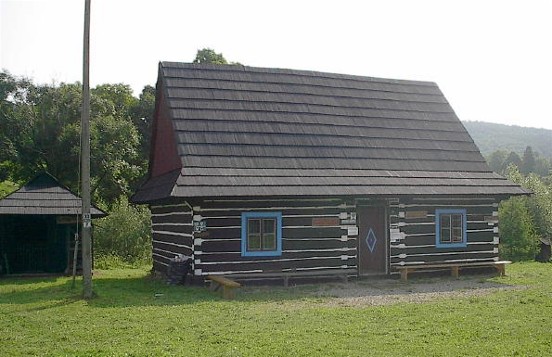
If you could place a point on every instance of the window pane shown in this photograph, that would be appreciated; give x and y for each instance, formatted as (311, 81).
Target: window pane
(269, 241)
(445, 228)
(457, 221)
(269, 225)
(445, 221)
(254, 226)
(457, 235)
(457, 228)
(254, 242)
(445, 235)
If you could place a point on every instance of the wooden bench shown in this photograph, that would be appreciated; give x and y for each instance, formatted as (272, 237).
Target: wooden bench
(454, 267)
(286, 275)
(228, 285)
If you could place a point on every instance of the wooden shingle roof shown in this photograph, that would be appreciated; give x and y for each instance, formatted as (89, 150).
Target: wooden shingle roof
(243, 131)
(44, 195)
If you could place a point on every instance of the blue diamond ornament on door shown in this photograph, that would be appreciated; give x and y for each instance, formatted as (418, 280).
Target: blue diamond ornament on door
(371, 240)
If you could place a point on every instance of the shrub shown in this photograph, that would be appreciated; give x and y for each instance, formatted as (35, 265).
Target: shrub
(123, 237)
(517, 233)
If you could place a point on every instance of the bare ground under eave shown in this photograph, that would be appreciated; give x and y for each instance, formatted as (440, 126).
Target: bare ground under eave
(376, 292)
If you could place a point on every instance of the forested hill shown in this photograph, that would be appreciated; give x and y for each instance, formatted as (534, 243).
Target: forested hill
(491, 137)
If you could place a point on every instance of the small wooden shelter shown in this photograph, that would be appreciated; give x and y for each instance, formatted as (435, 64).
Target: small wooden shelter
(258, 172)
(37, 227)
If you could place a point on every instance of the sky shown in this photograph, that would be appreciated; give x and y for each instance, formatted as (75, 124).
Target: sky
(491, 58)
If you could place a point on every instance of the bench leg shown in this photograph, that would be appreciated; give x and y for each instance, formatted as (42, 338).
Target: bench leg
(228, 293)
(501, 269)
(214, 286)
(404, 274)
(454, 271)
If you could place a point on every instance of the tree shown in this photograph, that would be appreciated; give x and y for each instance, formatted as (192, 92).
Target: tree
(15, 123)
(142, 117)
(113, 99)
(496, 161)
(208, 55)
(7, 187)
(528, 161)
(543, 166)
(512, 158)
(524, 219)
(517, 233)
(40, 130)
(539, 205)
(114, 146)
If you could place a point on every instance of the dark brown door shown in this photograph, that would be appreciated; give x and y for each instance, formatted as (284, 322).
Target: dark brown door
(372, 249)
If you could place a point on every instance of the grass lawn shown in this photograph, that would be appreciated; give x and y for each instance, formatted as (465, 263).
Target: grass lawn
(134, 315)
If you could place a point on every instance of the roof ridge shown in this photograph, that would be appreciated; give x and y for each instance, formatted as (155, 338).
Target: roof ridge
(297, 72)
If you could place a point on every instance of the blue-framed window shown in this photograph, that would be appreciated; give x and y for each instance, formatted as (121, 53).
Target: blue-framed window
(261, 234)
(451, 228)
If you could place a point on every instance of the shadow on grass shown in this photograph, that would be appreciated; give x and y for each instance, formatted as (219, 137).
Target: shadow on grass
(46, 292)
(144, 290)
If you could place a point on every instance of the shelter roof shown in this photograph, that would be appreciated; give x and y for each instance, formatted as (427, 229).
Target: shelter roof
(44, 195)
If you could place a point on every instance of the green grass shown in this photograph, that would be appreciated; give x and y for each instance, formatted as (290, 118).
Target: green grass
(135, 315)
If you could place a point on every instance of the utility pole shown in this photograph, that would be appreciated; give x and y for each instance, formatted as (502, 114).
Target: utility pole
(85, 161)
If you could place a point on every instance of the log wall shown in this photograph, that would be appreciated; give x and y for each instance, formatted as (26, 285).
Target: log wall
(308, 243)
(171, 233)
(412, 232)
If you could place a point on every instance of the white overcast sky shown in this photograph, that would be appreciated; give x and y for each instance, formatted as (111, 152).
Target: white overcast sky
(491, 58)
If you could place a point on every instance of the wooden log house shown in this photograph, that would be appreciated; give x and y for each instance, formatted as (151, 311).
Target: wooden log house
(258, 172)
(37, 227)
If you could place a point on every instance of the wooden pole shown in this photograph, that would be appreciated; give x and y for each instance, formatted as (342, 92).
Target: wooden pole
(75, 257)
(85, 161)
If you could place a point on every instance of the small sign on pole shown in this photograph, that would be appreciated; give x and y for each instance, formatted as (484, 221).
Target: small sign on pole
(87, 220)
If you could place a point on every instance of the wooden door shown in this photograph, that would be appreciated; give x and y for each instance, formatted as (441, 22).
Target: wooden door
(372, 240)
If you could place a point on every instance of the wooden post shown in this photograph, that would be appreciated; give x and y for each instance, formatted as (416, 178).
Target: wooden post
(85, 161)
(75, 257)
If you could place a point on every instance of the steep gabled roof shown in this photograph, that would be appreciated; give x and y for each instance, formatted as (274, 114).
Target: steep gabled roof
(44, 195)
(243, 131)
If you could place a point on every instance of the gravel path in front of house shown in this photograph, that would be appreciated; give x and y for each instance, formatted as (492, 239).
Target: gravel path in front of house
(390, 291)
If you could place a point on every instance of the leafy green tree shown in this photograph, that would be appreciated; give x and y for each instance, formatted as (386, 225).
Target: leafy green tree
(496, 161)
(208, 55)
(40, 130)
(114, 148)
(7, 187)
(51, 145)
(15, 122)
(113, 99)
(517, 234)
(532, 215)
(543, 166)
(540, 205)
(512, 159)
(142, 117)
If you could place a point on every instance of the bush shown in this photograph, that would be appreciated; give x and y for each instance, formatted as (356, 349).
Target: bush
(517, 233)
(123, 237)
